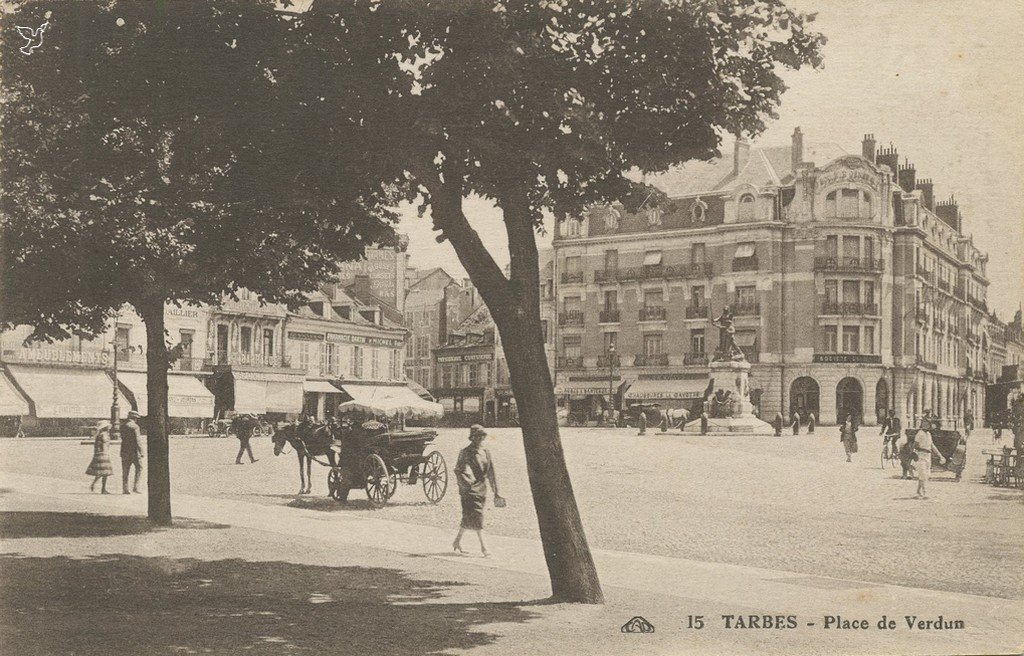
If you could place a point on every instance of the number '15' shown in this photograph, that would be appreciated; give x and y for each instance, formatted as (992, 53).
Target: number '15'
(695, 621)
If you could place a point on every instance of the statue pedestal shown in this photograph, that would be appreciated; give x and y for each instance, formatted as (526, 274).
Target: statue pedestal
(733, 377)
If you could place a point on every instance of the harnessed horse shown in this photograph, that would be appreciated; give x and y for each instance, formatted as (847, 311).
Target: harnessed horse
(309, 441)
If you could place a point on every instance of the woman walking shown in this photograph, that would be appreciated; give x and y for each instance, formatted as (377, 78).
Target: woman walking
(923, 449)
(473, 470)
(100, 467)
(848, 436)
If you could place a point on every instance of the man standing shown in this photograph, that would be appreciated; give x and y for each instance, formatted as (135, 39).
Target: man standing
(810, 422)
(131, 451)
(796, 422)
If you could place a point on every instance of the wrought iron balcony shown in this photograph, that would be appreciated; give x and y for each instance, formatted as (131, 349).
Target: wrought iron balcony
(651, 360)
(610, 315)
(608, 360)
(697, 312)
(695, 358)
(571, 277)
(746, 309)
(652, 313)
(849, 309)
(563, 362)
(570, 318)
(836, 263)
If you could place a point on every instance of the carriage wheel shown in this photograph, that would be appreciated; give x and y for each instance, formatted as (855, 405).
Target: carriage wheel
(434, 473)
(334, 483)
(394, 484)
(378, 480)
(211, 429)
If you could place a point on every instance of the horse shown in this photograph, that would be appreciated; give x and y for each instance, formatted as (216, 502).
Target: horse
(309, 441)
(675, 418)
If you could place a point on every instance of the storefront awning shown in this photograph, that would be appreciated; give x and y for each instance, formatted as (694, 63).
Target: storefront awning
(186, 395)
(258, 394)
(321, 386)
(420, 390)
(67, 393)
(12, 403)
(652, 390)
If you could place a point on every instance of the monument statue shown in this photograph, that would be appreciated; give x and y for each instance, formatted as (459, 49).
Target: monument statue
(727, 348)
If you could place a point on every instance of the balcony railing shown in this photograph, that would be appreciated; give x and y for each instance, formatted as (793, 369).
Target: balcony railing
(608, 360)
(835, 263)
(609, 316)
(944, 285)
(243, 359)
(563, 362)
(651, 360)
(695, 358)
(927, 364)
(746, 309)
(849, 309)
(977, 302)
(570, 318)
(697, 312)
(745, 264)
(693, 270)
(652, 313)
(572, 276)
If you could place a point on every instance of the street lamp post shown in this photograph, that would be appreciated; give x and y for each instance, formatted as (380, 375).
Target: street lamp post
(115, 427)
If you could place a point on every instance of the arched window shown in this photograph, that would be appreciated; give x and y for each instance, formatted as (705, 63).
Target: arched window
(746, 208)
(848, 204)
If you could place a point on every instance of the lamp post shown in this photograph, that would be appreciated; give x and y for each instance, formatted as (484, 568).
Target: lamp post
(115, 426)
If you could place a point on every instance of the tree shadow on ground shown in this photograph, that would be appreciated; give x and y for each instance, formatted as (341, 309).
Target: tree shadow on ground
(1009, 496)
(32, 524)
(119, 603)
(327, 504)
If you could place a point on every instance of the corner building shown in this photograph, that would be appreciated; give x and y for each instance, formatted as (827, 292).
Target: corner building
(853, 289)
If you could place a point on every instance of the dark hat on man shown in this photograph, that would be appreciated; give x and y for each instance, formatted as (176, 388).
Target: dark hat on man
(477, 432)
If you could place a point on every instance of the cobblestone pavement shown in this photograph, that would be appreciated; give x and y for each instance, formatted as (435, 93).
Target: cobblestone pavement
(789, 503)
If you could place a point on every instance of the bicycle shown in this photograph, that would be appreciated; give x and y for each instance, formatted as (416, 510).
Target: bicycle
(890, 457)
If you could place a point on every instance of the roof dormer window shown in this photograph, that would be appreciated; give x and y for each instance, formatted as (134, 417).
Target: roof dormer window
(746, 208)
(848, 203)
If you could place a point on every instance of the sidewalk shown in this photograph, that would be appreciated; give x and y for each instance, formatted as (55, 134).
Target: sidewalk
(664, 590)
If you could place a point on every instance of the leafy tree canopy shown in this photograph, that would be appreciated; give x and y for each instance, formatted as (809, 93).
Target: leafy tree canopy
(175, 150)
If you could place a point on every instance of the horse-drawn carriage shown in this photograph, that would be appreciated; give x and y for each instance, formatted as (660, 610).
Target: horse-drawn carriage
(948, 442)
(367, 446)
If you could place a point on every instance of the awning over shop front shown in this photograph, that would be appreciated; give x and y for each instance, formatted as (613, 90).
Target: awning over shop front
(420, 390)
(652, 390)
(321, 386)
(186, 395)
(12, 403)
(67, 393)
(258, 394)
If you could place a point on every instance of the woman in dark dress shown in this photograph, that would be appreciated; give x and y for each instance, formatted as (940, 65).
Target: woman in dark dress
(473, 470)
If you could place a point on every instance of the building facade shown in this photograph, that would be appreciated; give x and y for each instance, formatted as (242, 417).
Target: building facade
(852, 290)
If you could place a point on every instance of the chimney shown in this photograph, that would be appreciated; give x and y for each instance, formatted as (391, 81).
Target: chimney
(361, 285)
(906, 177)
(867, 148)
(798, 149)
(949, 212)
(888, 157)
(928, 192)
(740, 155)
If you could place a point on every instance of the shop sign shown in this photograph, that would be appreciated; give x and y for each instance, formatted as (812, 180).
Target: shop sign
(87, 358)
(659, 394)
(585, 390)
(847, 358)
(185, 313)
(362, 339)
(593, 379)
(306, 337)
(470, 357)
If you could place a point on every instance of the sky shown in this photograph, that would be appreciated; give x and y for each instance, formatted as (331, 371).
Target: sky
(942, 80)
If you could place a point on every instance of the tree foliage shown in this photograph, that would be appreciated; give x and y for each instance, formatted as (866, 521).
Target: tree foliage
(152, 150)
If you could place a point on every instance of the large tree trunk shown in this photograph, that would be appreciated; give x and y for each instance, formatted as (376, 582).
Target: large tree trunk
(515, 307)
(158, 470)
(570, 565)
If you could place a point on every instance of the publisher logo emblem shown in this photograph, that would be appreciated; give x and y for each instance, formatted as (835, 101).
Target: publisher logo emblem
(638, 625)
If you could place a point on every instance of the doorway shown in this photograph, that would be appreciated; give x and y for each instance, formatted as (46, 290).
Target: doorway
(849, 400)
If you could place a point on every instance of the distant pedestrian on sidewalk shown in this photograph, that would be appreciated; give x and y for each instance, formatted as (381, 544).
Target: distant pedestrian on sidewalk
(244, 426)
(473, 471)
(100, 467)
(641, 421)
(777, 424)
(796, 422)
(810, 422)
(848, 436)
(131, 451)
(923, 450)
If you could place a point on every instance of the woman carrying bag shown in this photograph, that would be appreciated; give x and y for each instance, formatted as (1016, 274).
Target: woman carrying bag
(473, 470)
